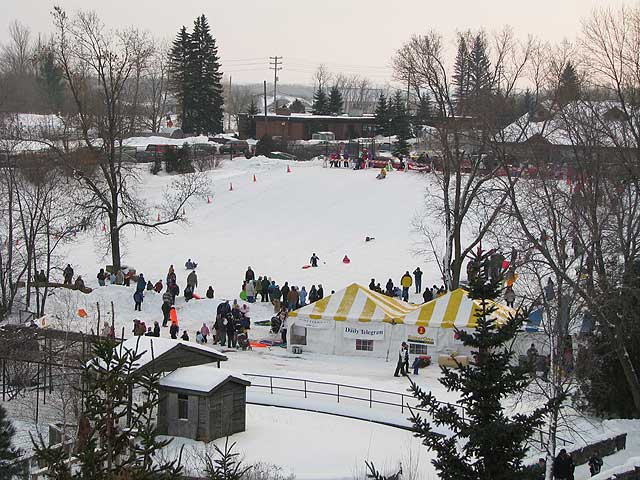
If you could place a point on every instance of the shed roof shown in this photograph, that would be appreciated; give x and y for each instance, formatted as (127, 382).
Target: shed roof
(201, 378)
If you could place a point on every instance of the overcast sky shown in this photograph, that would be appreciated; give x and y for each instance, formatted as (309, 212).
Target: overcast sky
(352, 36)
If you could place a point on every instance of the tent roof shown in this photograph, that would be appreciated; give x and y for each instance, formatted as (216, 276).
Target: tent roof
(356, 303)
(453, 309)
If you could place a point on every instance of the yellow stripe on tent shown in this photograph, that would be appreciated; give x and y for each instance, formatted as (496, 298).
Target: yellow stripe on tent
(347, 302)
(368, 311)
(450, 314)
(425, 314)
(391, 303)
(319, 307)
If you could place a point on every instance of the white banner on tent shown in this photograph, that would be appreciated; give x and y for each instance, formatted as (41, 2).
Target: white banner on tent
(364, 333)
(314, 322)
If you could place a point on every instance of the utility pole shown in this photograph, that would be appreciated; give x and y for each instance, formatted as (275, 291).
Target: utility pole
(230, 103)
(275, 64)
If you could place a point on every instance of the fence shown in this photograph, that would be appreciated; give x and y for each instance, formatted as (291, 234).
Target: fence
(364, 395)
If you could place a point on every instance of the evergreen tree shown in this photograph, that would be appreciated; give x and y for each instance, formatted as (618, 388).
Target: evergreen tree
(181, 78)
(204, 67)
(480, 83)
(485, 443)
(252, 111)
(461, 73)
(528, 102)
(49, 77)
(569, 85)
(382, 116)
(107, 446)
(8, 454)
(265, 145)
(335, 101)
(320, 103)
(424, 114)
(296, 106)
(400, 125)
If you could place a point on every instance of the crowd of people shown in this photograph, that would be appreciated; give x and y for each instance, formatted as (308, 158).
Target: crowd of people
(406, 282)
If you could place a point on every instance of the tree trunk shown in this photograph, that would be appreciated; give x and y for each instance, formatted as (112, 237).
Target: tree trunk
(115, 245)
(628, 368)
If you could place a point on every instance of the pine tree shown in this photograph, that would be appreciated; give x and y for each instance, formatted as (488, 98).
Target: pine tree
(107, 446)
(204, 66)
(382, 116)
(320, 103)
(480, 83)
(252, 111)
(50, 79)
(296, 106)
(181, 81)
(400, 125)
(485, 443)
(569, 85)
(335, 101)
(461, 75)
(424, 114)
(8, 454)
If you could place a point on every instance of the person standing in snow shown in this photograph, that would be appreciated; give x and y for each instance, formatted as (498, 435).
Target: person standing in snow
(563, 466)
(285, 293)
(204, 330)
(320, 292)
(314, 260)
(265, 290)
(188, 293)
(209, 293)
(249, 275)
(427, 296)
(258, 285)
(389, 288)
(79, 283)
(174, 330)
(67, 273)
(283, 327)
(302, 295)
(313, 294)
(251, 291)
(158, 286)
(138, 298)
(156, 329)
(185, 336)
(372, 284)
(595, 463)
(102, 277)
(293, 298)
(119, 277)
(509, 296)
(417, 275)
(192, 280)
(406, 281)
(400, 366)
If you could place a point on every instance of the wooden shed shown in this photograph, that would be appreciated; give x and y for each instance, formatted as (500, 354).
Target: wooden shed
(202, 403)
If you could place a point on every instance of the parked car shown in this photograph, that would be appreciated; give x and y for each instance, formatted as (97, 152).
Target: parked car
(282, 156)
(235, 146)
(160, 148)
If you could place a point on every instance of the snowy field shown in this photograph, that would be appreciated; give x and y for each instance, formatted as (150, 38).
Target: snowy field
(274, 225)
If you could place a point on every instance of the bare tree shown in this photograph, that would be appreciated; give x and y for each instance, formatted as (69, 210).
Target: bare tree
(98, 65)
(465, 199)
(156, 87)
(17, 55)
(321, 77)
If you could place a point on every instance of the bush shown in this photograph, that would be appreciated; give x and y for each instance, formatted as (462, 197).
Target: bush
(265, 145)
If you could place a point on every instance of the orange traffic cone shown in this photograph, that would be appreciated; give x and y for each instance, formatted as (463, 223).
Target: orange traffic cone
(288, 169)
(254, 177)
(230, 187)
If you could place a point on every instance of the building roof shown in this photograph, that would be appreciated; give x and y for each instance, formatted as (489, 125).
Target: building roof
(309, 117)
(201, 378)
(153, 351)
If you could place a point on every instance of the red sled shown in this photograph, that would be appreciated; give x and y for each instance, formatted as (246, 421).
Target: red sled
(306, 266)
(346, 259)
(197, 297)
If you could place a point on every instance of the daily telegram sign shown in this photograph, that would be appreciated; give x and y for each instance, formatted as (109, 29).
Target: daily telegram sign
(364, 333)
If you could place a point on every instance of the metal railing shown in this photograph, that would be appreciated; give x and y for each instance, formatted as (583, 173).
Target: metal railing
(343, 391)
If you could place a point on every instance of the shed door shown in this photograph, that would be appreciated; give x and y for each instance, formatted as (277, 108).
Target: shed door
(227, 413)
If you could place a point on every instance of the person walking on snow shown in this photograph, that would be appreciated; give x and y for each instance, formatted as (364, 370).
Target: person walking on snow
(102, 277)
(406, 281)
(192, 280)
(314, 260)
(303, 297)
(417, 275)
(249, 275)
(142, 283)
(68, 274)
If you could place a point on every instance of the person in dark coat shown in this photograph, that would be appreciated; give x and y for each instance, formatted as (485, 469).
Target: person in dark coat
(149, 286)
(174, 330)
(166, 306)
(400, 366)
(285, 292)
(158, 286)
(320, 292)
(188, 293)
(427, 295)
(138, 298)
(142, 283)
(156, 329)
(210, 292)
(68, 274)
(372, 285)
(231, 332)
(102, 277)
(417, 275)
(595, 463)
(249, 275)
(264, 292)
(389, 288)
(185, 336)
(563, 466)
(313, 294)
(314, 260)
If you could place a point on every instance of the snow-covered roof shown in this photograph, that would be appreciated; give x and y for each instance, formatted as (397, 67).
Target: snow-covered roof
(152, 348)
(574, 124)
(309, 116)
(144, 142)
(201, 378)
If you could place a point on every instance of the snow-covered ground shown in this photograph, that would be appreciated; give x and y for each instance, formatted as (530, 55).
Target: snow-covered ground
(274, 225)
